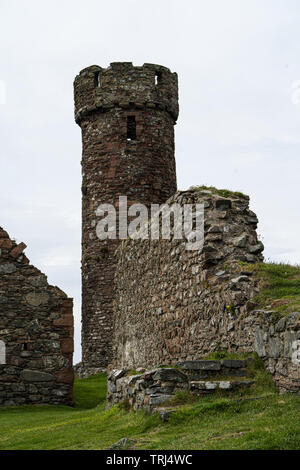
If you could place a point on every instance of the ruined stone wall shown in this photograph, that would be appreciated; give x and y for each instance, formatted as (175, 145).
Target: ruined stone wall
(141, 168)
(177, 305)
(153, 388)
(36, 333)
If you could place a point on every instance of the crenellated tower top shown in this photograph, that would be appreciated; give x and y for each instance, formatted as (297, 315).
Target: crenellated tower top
(124, 85)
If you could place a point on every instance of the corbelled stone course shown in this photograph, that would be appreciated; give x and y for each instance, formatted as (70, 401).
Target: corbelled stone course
(123, 85)
(36, 327)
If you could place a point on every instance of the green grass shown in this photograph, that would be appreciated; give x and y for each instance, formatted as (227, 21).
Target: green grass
(231, 422)
(219, 192)
(280, 291)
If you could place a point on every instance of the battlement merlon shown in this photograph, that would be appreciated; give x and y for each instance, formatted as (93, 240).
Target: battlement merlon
(126, 86)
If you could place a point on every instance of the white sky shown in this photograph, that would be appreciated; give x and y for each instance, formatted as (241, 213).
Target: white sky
(238, 128)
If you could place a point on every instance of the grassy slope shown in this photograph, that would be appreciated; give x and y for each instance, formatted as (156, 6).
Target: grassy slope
(281, 286)
(271, 422)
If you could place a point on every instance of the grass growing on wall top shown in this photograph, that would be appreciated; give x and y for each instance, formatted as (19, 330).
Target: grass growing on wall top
(269, 422)
(219, 192)
(281, 286)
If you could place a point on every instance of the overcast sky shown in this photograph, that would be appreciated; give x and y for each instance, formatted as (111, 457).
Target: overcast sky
(238, 63)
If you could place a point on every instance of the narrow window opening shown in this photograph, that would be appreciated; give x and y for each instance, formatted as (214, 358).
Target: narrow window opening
(158, 77)
(97, 79)
(131, 128)
(25, 347)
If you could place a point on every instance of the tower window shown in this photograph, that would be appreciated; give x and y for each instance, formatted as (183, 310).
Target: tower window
(158, 77)
(97, 79)
(25, 347)
(131, 128)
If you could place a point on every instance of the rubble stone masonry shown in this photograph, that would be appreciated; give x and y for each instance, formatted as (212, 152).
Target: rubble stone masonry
(36, 333)
(177, 305)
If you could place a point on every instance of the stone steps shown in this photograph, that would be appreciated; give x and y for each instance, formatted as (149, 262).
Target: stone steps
(208, 369)
(153, 388)
(202, 387)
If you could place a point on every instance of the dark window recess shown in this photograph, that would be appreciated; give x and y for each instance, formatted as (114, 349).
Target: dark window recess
(158, 77)
(97, 79)
(25, 347)
(131, 128)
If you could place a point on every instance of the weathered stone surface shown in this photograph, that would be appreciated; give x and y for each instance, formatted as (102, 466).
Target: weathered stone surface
(240, 241)
(116, 374)
(210, 387)
(233, 363)
(133, 379)
(255, 249)
(280, 326)
(37, 298)
(259, 342)
(169, 375)
(156, 400)
(274, 347)
(200, 365)
(7, 268)
(65, 376)
(36, 376)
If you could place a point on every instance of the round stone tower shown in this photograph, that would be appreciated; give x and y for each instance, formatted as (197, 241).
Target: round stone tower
(127, 116)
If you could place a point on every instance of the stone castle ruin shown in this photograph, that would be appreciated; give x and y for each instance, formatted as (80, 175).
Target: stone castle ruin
(145, 303)
(150, 302)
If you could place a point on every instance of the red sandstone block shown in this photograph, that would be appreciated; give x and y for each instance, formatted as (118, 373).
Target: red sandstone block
(67, 303)
(65, 320)
(5, 243)
(65, 376)
(66, 310)
(15, 252)
(67, 345)
(25, 260)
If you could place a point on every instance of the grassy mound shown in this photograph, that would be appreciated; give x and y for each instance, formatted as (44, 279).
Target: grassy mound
(280, 290)
(219, 192)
